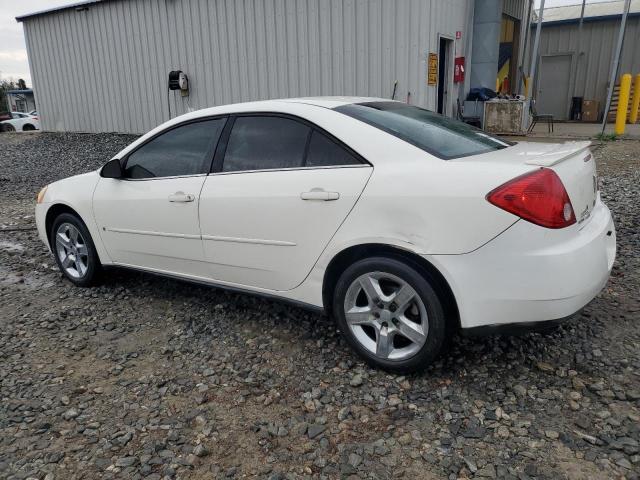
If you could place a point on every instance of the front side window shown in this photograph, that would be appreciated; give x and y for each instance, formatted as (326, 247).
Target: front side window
(436, 134)
(184, 150)
(265, 142)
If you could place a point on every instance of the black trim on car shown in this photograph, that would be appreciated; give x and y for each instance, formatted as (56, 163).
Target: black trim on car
(221, 149)
(514, 329)
(212, 284)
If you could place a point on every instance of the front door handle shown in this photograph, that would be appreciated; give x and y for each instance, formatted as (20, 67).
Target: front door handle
(181, 197)
(319, 194)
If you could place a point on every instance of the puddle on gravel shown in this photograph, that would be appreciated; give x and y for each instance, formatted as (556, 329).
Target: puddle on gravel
(11, 247)
(28, 281)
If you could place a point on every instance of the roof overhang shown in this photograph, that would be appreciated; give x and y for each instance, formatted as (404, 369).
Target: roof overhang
(82, 5)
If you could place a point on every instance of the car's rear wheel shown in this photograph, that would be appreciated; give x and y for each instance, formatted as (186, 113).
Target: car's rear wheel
(28, 127)
(74, 250)
(390, 314)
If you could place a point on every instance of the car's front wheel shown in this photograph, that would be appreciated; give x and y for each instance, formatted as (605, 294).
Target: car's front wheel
(74, 250)
(8, 128)
(390, 314)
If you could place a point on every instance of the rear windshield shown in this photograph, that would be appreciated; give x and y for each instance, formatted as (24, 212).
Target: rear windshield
(434, 133)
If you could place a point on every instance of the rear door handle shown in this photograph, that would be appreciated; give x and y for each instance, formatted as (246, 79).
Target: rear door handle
(319, 194)
(181, 197)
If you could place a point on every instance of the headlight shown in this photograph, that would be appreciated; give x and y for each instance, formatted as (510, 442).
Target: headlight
(41, 193)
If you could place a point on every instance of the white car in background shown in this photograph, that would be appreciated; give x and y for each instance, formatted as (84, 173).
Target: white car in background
(21, 122)
(402, 224)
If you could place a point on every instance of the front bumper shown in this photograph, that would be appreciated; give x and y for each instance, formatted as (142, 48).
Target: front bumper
(41, 214)
(531, 274)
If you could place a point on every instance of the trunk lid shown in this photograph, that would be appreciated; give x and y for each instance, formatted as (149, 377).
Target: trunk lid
(573, 162)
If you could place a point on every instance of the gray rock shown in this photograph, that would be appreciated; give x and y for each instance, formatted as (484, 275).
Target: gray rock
(126, 461)
(70, 414)
(488, 471)
(356, 380)
(315, 429)
(200, 451)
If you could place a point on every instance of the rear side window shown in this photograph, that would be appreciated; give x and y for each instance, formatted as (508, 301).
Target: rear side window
(265, 142)
(436, 134)
(184, 150)
(272, 142)
(324, 152)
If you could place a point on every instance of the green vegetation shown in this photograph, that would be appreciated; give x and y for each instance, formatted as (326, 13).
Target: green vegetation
(607, 137)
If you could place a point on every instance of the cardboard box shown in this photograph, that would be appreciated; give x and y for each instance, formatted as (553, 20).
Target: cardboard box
(590, 110)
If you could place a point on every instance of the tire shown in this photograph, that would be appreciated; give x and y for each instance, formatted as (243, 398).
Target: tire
(28, 128)
(403, 339)
(8, 128)
(70, 240)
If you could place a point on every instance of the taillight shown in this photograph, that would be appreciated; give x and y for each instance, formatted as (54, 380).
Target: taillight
(538, 197)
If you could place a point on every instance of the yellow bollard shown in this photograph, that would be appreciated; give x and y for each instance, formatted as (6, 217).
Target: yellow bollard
(635, 104)
(623, 104)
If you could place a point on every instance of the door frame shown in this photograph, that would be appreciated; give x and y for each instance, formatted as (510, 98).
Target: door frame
(572, 73)
(448, 74)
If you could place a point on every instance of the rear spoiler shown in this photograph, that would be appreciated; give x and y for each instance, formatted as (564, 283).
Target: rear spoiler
(559, 154)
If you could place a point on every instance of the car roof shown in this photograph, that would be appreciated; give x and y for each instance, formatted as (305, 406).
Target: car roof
(332, 102)
(277, 105)
(282, 105)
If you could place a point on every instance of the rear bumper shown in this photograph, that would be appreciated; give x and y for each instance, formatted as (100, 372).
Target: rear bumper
(531, 274)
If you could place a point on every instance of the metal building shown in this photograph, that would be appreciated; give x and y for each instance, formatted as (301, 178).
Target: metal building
(578, 64)
(101, 66)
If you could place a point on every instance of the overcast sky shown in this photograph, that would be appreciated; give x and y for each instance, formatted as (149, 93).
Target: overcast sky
(13, 53)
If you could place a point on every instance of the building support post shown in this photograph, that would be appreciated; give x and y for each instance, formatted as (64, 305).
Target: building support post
(578, 49)
(534, 55)
(616, 61)
(522, 77)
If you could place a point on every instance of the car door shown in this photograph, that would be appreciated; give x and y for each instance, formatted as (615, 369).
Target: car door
(149, 218)
(280, 189)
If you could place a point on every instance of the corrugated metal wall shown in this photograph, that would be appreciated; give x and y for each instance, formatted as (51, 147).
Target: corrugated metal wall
(591, 70)
(516, 8)
(105, 68)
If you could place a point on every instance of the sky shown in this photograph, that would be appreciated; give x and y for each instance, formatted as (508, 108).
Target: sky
(13, 53)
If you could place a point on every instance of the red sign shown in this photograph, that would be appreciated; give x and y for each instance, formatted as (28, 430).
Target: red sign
(458, 70)
(458, 35)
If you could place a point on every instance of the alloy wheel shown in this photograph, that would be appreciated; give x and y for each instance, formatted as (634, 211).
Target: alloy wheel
(386, 315)
(72, 250)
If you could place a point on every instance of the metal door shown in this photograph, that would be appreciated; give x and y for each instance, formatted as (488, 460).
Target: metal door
(553, 86)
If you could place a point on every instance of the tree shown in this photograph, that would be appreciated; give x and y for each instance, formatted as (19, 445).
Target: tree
(4, 86)
(21, 84)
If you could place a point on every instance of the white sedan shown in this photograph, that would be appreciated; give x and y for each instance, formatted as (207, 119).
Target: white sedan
(21, 122)
(402, 224)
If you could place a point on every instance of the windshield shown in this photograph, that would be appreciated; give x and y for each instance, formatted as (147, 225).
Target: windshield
(436, 134)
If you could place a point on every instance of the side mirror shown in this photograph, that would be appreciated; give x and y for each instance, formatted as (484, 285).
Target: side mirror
(112, 169)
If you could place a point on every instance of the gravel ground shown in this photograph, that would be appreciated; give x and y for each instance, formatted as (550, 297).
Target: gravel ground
(145, 377)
